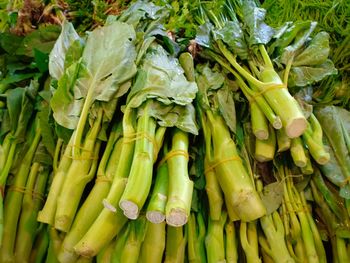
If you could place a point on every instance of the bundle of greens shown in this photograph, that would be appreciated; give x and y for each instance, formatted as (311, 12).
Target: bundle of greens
(225, 169)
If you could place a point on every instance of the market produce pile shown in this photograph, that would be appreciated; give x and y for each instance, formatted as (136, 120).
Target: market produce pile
(174, 131)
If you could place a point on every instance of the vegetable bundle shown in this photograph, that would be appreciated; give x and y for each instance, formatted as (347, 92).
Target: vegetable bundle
(118, 145)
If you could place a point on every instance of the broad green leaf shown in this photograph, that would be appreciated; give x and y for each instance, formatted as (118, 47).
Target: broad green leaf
(161, 77)
(232, 34)
(253, 18)
(307, 75)
(58, 54)
(10, 42)
(41, 60)
(42, 156)
(41, 39)
(316, 52)
(20, 110)
(48, 135)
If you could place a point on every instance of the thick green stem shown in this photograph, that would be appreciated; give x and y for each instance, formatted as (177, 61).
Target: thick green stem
(180, 186)
(106, 254)
(307, 169)
(156, 206)
(32, 202)
(214, 241)
(272, 226)
(78, 135)
(132, 246)
(40, 246)
(231, 243)
(111, 219)
(140, 177)
(81, 171)
(249, 241)
(153, 246)
(13, 201)
(231, 173)
(283, 104)
(92, 206)
(47, 214)
(298, 152)
(196, 236)
(283, 141)
(107, 225)
(265, 149)
(313, 140)
(253, 96)
(259, 122)
(175, 245)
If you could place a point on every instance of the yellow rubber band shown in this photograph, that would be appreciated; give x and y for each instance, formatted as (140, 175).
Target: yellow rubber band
(81, 158)
(213, 166)
(102, 178)
(25, 191)
(142, 135)
(173, 153)
(268, 88)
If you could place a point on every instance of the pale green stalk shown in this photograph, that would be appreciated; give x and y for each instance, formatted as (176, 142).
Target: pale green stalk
(105, 256)
(313, 140)
(283, 141)
(156, 206)
(265, 149)
(153, 246)
(214, 241)
(259, 122)
(298, 152)
(13, 200)
(32, 202)
(233, 178)
(249, 241)
(231, 243)
(81, 171)
(93, 204)
(47, 214)
(178, 206)
(140, 177)
(196, 238)
(175, 245)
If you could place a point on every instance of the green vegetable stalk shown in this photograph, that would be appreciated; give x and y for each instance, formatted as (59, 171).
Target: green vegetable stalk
(313, 140)
(180, 186)
(297, 151)
(47, 214)
(249, 241)
(106, 253)
(140, 177)
(231, 243)
(175, 247)
(157, 203)
(153, 246)
(40, 246)
(13, 200)
(196, 238)
(214, 240)
(93, 204)
(132, 246)
(246, 201)
(81, 171)
(283, 141)
(265, 149)
(32, 202)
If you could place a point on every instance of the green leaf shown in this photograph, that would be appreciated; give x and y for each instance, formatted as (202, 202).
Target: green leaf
(41, 39)
(161, 77)
(58, 54)
(20, 109)
(253, 18)
(48, 135)
(41, 60)
(42, 156)
(316, 52)
(10, 42)
(272, 196)
(232, 34)
(306, 75)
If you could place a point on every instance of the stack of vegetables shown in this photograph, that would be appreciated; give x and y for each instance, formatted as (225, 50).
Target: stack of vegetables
(171, 132)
